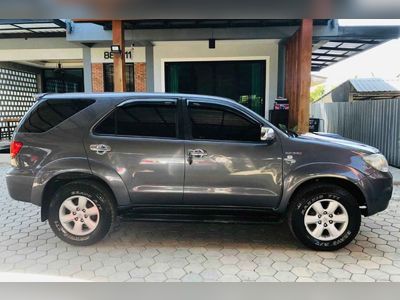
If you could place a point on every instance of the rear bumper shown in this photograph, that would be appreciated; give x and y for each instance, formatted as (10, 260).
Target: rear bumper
(378, 189)
(19, 185)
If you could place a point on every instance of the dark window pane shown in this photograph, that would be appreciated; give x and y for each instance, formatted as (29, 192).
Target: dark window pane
(50, 113)
(242, 81)
(109, 77)
(62, 80)
(107, 126)
(212, 123)
(153, 120)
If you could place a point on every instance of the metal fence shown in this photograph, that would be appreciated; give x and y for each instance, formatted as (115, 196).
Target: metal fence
(373, 122)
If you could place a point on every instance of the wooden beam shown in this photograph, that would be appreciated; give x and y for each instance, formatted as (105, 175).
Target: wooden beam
(298, 76)
(304, 77)
(119, 58)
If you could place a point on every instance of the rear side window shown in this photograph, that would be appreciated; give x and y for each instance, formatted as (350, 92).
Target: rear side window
(210, 122)
(50, 113)
(149, 120)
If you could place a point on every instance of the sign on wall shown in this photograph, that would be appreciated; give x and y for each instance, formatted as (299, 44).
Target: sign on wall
(104, 55)
(109, 55)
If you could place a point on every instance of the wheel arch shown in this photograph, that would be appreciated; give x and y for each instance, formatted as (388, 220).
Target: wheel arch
(348, 185)
(54, 183)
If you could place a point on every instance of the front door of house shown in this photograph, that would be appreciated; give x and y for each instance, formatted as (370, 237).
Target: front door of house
(242, 81)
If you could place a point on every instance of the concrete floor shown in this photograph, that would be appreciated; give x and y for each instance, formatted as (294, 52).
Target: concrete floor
(144, 251)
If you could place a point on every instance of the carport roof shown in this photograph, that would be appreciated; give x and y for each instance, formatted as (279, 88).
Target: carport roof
(329, 52)
(30, 28)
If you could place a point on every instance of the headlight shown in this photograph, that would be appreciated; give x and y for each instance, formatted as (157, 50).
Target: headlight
(377, 161)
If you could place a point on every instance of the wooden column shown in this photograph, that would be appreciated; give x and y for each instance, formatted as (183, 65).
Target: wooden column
(298, 76)
(119, 59)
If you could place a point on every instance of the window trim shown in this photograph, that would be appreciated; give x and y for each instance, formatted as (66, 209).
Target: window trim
(138, 102)
(188, 122)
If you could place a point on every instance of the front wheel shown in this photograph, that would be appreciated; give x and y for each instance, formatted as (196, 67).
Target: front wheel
(82, 212)
(324, 217)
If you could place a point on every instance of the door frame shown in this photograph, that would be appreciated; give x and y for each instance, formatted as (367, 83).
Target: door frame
(267, 60)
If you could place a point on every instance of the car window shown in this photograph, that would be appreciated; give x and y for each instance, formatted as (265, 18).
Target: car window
(211, 122)
(144, 119)
(49, 113)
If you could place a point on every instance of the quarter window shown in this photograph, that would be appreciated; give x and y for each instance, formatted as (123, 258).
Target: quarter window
(151, 120)
(218, 123)
(49, 113)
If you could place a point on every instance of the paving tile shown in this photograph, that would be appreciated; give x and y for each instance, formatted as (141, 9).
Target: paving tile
(211, 274)
(193, 268)
(302, 272)
(175, 273)
(105, 271)
(139, 272)
(284, 276)
(246, 275)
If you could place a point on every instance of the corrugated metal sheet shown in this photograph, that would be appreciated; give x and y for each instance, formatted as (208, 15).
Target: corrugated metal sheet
(376, 123)
(375, 85)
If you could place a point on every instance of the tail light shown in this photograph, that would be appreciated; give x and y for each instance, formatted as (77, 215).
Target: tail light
(15, 147)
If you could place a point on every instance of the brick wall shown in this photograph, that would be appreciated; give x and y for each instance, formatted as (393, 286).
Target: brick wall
(140, 77)
(97, 77)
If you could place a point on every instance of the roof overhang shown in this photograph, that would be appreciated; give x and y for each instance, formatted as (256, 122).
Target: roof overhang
(30, 28)
(331, 43)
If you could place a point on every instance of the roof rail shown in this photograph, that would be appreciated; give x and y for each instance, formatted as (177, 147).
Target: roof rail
(40, 96)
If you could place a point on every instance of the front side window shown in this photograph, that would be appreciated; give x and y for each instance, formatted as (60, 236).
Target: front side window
(141, 119)
(211, 122)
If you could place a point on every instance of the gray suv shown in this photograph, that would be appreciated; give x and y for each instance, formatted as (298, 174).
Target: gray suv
(88, 158)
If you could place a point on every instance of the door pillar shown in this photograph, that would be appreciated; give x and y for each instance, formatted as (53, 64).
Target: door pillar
(298, 76)
(119, 58)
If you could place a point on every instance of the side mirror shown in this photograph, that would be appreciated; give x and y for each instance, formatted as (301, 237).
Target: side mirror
(267, 134)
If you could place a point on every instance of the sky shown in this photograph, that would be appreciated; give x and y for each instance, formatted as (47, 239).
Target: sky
(381, 61)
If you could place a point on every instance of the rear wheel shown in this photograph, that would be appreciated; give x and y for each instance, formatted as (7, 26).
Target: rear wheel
(82, 212)
(324, 217)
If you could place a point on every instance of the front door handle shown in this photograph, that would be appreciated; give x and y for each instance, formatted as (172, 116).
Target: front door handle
(196, 153)
(100, 149)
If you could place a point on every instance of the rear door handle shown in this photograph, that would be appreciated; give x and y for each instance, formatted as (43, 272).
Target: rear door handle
(100, 149)
(196, 153)
(199, 153)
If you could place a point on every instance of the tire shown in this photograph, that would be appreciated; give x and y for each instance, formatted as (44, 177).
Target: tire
(86, 224)
(321, 235)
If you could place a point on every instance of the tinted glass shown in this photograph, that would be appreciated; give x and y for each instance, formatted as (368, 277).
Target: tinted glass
(217, 123)
(153, 120)
(50, 113)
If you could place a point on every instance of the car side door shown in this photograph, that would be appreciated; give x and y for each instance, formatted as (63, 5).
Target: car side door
(140, 141)
(226, 162)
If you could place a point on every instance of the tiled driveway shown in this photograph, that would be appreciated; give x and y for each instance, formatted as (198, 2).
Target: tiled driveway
(144, 251)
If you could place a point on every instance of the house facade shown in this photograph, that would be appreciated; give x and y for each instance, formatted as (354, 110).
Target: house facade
(250, 61)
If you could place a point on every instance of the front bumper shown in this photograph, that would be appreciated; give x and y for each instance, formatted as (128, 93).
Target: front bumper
(19, 185)
(378, 189)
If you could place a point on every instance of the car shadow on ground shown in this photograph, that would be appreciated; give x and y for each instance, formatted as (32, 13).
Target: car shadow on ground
(210, 235)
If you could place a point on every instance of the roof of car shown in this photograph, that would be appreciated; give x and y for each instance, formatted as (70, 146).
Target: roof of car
(130, 95)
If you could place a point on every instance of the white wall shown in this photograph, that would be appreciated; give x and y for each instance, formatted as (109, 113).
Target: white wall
(21, 50)
(225, 50)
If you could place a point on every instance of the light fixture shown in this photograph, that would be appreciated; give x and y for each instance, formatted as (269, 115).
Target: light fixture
(116, 49)
(211, 43)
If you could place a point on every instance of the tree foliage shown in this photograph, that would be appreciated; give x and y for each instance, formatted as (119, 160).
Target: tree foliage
(317, 93)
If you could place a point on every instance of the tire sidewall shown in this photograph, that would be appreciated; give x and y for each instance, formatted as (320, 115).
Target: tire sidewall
(299, 211)
(98, 197)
